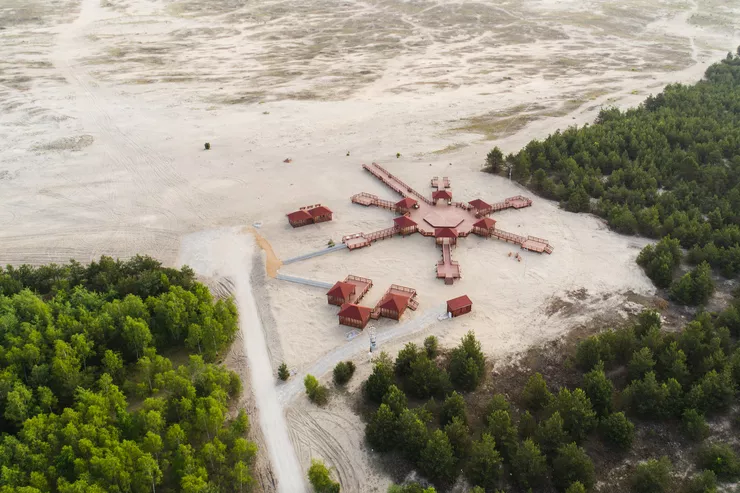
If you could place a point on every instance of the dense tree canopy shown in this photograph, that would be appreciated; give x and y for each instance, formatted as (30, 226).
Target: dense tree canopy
(86, 401)
(669, 167)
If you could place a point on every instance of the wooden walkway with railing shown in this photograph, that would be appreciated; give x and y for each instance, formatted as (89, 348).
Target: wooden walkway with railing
(368, 199)
(394, 182)
(359, 240)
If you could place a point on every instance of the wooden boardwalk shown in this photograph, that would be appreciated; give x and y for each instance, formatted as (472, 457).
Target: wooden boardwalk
(368, 199)
(448, 269)
(394, 182)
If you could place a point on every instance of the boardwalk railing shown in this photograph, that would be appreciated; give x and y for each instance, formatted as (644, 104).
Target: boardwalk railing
(399, 186)
(503, 235)
(382, 234)
(366, 199)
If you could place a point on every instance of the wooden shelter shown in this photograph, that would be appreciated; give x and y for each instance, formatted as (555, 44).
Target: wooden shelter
(299, 218)
(459, 306)
(311, 214)
(393, 306)
(320, 214)
(441, 195)
(445, 236)
(484, 226)
(406, 204)
(340, 293)
(481, 207)
(354, 315)
(405, 225)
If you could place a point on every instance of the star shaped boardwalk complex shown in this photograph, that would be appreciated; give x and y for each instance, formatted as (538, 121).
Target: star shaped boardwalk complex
(439, 217)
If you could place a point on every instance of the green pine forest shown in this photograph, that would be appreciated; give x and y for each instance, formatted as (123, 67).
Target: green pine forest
(636, 409)
(108, 382)
(667, 169)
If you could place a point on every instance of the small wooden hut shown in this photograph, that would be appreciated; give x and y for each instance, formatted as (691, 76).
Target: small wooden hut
(480, 207)
(459, 306)
(320, 213)
(442, 195)
(340, 293)
(354, 315)
(445, 236)
(406, 204)
(484, 226)
(405, 225)
(299, 218)
(393, 306)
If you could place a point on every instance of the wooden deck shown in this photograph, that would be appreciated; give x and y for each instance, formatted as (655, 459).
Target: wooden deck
(409, 293)
(362, 286)
(445, 183)
(368, 199)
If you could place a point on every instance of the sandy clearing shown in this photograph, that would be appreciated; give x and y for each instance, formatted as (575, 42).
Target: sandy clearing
(108, 105)
(228, 254)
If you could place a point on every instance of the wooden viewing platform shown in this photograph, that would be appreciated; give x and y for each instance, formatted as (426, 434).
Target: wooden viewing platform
(436, 183)
(441, 218)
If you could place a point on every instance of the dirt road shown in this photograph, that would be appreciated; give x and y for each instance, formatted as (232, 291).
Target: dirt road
(227, 253)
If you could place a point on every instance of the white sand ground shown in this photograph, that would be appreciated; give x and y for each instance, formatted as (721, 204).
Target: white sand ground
(105, 106)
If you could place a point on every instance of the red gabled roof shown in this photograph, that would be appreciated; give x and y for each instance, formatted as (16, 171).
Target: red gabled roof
(395, 302)
(459, 302)
(406, 203)
(441, 194)
(355, 312)
(479, 204)
(319, 211)
(341, 290)
(404, 222)
(445, 233)
(485, 223)
(299, 216)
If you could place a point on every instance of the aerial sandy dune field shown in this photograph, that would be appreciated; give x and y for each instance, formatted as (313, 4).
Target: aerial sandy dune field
(105, 106)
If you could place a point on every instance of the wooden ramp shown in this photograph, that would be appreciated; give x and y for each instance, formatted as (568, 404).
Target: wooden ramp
(515, 202)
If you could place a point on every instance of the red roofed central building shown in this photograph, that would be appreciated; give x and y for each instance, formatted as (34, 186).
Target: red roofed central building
(340, 293)
(354, 315)
(393, 306)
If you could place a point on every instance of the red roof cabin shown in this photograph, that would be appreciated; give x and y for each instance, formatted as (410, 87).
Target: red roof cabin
(340, 293)
(393, 306)
(406, 204)
(354, 315)
(442, 195)
(311, 214)
(445, 236)
(459, 306)
(299, 218)
(480, 206)
(405, 225)
(484, 226)
(320, 213)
